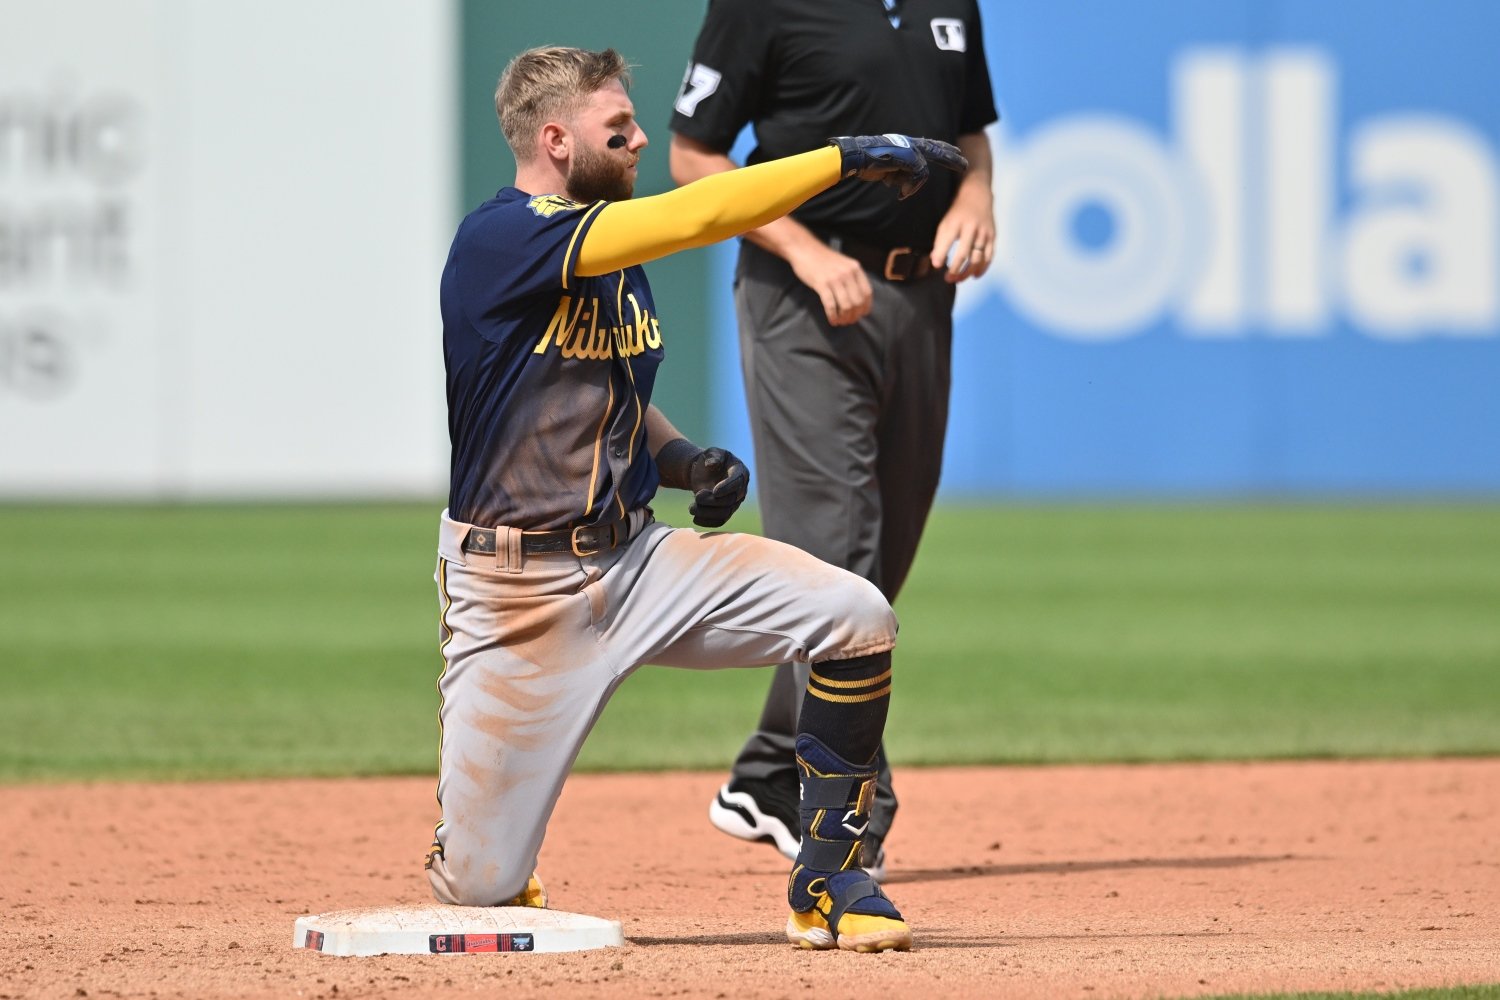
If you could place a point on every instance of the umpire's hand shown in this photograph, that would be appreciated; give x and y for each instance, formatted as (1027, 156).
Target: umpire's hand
(720, 483)
(898, 161)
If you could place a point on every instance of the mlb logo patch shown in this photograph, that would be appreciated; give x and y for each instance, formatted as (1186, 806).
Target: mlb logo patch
(948, 32)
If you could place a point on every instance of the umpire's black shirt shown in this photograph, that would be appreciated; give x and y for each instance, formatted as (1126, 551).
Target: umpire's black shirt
(805, 70)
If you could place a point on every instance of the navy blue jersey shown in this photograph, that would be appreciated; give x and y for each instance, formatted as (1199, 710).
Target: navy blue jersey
(549, 373)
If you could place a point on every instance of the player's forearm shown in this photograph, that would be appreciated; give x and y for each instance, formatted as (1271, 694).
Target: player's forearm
(659, 430)
(716, 207)
(673, 452)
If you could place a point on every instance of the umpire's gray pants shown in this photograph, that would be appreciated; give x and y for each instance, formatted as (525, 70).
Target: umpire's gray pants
(848, 424)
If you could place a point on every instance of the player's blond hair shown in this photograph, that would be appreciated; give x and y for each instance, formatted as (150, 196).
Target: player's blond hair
(547, 83)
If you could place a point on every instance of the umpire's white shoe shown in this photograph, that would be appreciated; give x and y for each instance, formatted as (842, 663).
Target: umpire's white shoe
(752, 810)
(740, 812)
(873, 859)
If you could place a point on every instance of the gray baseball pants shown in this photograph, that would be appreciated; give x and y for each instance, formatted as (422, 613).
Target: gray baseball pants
(535, 645)
(848, 425)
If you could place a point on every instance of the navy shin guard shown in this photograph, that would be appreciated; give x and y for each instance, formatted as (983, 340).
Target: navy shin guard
(835, 810)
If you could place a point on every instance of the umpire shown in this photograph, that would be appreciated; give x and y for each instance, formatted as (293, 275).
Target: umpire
(845, 307)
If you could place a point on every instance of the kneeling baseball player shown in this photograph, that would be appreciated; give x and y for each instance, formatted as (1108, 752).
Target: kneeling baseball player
(554, 581)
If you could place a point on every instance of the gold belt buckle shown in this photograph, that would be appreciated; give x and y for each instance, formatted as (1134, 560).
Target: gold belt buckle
(615, 533)
(890, 263)
(573, 541)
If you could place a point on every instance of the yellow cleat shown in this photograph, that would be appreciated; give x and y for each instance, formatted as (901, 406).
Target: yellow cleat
(865, 933)
(818, 930)
(534, 895)
(860, 932)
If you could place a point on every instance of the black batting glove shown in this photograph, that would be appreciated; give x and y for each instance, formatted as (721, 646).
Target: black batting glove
(721, 483)
(898, 161)
(718, 480)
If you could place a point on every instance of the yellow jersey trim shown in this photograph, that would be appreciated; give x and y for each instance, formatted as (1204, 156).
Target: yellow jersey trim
(599, 444)
(629, 371)
(573, 243)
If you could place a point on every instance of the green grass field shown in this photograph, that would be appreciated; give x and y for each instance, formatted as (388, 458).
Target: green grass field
(206, 641)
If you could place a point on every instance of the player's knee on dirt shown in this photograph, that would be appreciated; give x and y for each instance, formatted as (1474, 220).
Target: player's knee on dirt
(458, 885)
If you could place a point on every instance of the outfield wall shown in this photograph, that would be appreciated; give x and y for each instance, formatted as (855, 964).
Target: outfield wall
(1248, 247)
(220, 229)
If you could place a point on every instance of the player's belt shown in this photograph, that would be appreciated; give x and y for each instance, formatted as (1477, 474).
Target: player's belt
(582, 541)
(890, 263)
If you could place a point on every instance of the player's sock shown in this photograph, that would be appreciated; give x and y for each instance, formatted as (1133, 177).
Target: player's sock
(846, 705)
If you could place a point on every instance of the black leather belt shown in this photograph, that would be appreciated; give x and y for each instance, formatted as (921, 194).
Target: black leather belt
(582, 541)
(890, 263)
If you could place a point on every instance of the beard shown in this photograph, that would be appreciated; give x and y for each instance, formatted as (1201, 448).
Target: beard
(596, 176)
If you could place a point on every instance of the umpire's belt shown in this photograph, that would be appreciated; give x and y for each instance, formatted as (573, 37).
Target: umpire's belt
(581, 541)
(890, 263)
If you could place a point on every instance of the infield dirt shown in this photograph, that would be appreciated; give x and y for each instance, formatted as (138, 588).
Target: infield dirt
(1135, 881)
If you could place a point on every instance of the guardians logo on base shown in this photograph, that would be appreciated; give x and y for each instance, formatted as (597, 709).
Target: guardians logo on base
(314, 940)
(454, 944)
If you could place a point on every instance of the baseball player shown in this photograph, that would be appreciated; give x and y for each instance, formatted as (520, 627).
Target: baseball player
(845, 306)
(553, 580)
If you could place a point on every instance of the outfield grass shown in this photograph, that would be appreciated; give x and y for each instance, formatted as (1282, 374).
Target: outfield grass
(233, 640)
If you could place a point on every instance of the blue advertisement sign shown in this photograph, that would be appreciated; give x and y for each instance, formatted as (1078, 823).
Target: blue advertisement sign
(1244, 248)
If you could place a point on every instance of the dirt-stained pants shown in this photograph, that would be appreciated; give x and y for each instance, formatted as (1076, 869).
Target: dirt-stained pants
(534, 647)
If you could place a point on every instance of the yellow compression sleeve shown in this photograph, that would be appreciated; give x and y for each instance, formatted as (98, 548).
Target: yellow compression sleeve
(708, 210)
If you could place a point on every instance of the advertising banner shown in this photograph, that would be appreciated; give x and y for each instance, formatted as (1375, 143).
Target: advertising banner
(82, 335)
(1245, 248)
(221, 231)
